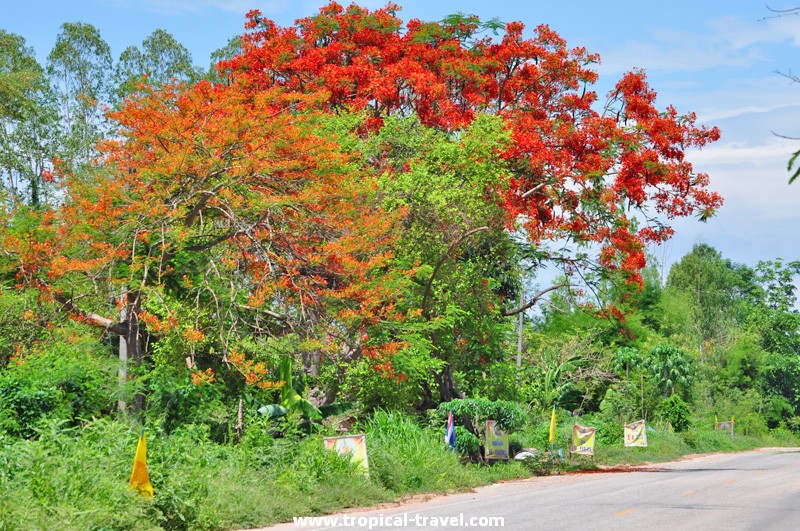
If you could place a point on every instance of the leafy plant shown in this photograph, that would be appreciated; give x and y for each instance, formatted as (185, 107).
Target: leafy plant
(676, 411)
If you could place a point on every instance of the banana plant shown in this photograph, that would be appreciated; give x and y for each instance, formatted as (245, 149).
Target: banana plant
(291, 400)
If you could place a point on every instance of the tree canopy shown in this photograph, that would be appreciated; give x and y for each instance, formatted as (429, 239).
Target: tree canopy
(363, 187)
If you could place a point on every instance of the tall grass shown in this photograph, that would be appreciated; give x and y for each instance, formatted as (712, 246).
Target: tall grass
(406, 458)
(70, 478)
(76, 477)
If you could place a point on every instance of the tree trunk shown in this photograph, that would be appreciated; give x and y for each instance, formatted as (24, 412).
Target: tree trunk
(447, 388)
(133, 343)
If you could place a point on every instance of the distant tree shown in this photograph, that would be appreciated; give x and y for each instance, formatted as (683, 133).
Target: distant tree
(217, 72)
(28, 122)
(776, 314)
(716, 288)
(79, 67)
(159, 61)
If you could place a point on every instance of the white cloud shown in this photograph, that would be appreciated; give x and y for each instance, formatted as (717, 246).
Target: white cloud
(724, 42)
(736, 112)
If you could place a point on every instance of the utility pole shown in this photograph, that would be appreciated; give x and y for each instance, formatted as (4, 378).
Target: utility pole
(520, 322)
(123, 358)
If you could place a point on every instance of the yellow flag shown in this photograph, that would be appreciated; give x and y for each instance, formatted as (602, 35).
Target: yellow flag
(553, 425)
(140, 480)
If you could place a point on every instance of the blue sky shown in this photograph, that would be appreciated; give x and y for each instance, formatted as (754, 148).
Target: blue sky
(718, 58)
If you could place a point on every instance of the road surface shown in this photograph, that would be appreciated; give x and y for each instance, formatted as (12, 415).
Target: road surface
(757, 490)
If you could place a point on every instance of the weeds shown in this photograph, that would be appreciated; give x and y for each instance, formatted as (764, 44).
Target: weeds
(69, 477)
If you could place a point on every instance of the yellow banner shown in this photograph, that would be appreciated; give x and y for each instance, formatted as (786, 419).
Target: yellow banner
(355, 445)
(140, 479)
(636, 434)
(582, 440)
(496, 441)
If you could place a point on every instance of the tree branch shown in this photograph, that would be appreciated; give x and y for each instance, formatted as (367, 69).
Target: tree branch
(92, 319)
(534, 300)
(532, 190)
(441, 262)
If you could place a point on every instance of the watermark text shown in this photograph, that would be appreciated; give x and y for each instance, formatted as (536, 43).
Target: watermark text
(400, 521)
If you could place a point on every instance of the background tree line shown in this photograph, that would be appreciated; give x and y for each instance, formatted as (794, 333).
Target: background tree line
(56, 110)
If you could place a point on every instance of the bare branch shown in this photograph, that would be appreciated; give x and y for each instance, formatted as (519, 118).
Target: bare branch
(534, 300)
(91, 319)
(532, 191)
(785, 136)
(779, 13)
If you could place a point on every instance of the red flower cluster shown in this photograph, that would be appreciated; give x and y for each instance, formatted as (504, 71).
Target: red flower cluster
(574, 172)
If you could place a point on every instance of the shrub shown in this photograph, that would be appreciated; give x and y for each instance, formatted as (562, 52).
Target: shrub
(509, 415)
(174, 400)
(676, 411)
(68, 381)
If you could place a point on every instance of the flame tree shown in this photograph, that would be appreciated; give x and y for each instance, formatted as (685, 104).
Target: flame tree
(360, 184)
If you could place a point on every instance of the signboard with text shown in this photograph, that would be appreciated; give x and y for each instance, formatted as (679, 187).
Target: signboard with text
(636, 434)
(582, 440)
(496, 441)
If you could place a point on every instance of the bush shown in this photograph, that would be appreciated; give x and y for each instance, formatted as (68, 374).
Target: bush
(509, 415)
(751, 424)
(174, 400)
(677, 412)
(69, 381)
(373, 390)
(704, 440)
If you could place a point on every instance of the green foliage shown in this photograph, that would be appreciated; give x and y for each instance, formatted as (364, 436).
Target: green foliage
(509, 415)
(782, 377)
(159, 61)
(20, 324)
(742, 363)
(499, 381)
(69, 383)
(290, 398)
(28, 121)
(273, 411)
(671, 368)
(627, 359)
(620, 404)
(174, 400)
(453, 241)
(77, 479)
(467, 442)
(79, 65)
(373, 390)
(677, 412)
(790, 166)
(560, 369)
(716, 288)
(405, 457)
(609, 430)
(704, 440)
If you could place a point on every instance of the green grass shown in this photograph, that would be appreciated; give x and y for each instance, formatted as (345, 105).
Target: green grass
(76, 478)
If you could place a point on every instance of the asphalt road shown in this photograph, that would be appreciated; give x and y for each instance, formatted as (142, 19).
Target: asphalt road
(757, 490)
